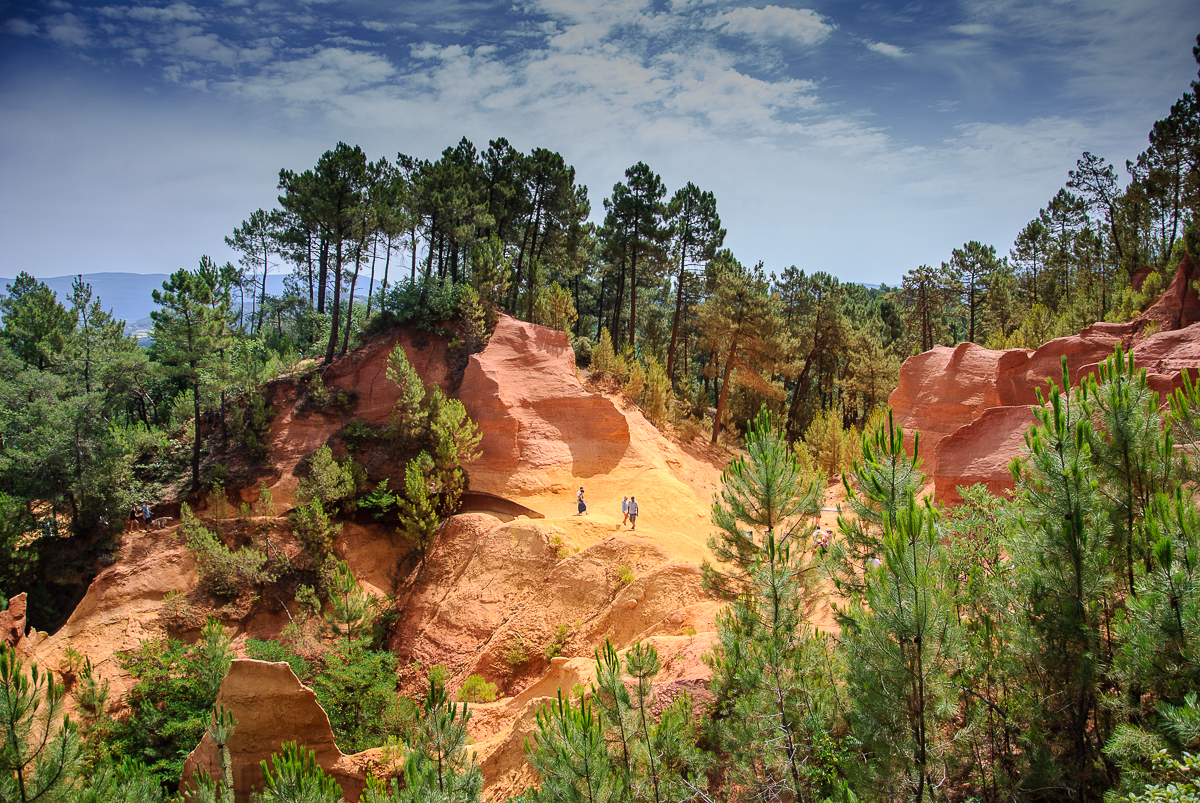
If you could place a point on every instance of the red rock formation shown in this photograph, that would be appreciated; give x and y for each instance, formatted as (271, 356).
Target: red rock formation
(980, 452)
(12, 621)
(945, 392)
(271, 707)
(540, 428)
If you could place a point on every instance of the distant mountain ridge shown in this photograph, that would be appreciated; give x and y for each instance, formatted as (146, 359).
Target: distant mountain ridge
(127, 295)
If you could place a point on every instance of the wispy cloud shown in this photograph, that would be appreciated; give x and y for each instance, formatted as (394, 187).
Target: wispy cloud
(884, 49)
(799, 24)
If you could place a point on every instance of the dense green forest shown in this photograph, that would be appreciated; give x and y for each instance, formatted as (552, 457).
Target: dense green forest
(1042, 648)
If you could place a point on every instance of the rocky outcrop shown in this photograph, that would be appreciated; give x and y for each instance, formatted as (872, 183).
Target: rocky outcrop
(12, 621)
(492, 580)
(488, 587)
(361, 376)
(271, 707)
(540, 428)
(972, 405)
(981, 452)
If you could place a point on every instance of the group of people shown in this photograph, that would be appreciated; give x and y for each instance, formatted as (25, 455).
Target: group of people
(629, 509)
(139, 515)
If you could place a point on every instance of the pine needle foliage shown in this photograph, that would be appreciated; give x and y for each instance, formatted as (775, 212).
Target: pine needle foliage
(408, 417)
(350, 608)
(903, 645)
(1160, 630)
(877, 487)
(776, 680)
(766, 491)
(1130, 448)
(39, 756)
(1059, 549)
(570, 753)
(293, 776)
(438, 767)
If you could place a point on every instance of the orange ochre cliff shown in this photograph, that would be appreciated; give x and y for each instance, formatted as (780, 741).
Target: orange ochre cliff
(972, 405)
(509, 569)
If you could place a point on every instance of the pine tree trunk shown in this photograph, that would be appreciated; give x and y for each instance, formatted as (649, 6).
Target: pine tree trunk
(724, 389)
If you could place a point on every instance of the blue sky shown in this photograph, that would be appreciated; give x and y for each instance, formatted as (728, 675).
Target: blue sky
(858, 138)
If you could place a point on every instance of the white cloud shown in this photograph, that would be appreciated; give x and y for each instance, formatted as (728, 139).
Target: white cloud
(20, 27)
(801, 24)
(973, 29)
(67, 29)
(884, 49)
(176, 12)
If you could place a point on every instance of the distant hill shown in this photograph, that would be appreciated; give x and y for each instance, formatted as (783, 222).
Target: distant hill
(127, 295)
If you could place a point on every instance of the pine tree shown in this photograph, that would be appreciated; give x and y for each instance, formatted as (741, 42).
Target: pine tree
(695, 228)
(408, 417)
(350, 607)
(767, 491)
(188, 331)
(876, 488)
(902, 645)
(776, 681)
(611, 695)
(39, 756)
(1131, 450)
(569, 752)
(220, 731)
(418, 513)
(740, 324)
(1060, 561)
(36, 325)
(438, 767)
(455, 441)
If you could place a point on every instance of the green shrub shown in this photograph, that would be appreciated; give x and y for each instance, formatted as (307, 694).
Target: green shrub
(328, 481)
(318, 392)
(656, 393)
(477, 690)
(222, 570)
(624, 577)
(605, 362)
(170, 704)
(357, 432)
(275, 651)
(266, 501)
(257, 428)
(358, 691)
(583, 347)
(515, 653)
(555, 647)
(437, 675)
(561, 550)
(635, 381)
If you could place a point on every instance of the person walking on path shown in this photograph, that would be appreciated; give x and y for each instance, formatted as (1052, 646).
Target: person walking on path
(633, 511)
(582, 504)
(134, 524)
(625, 511)
(146, 513)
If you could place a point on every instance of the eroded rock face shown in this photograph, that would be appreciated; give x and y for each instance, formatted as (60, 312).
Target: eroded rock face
(540, 428)
(12, 621)
(972, 405)
(271, 706)
(362, 374)
(981, 452)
